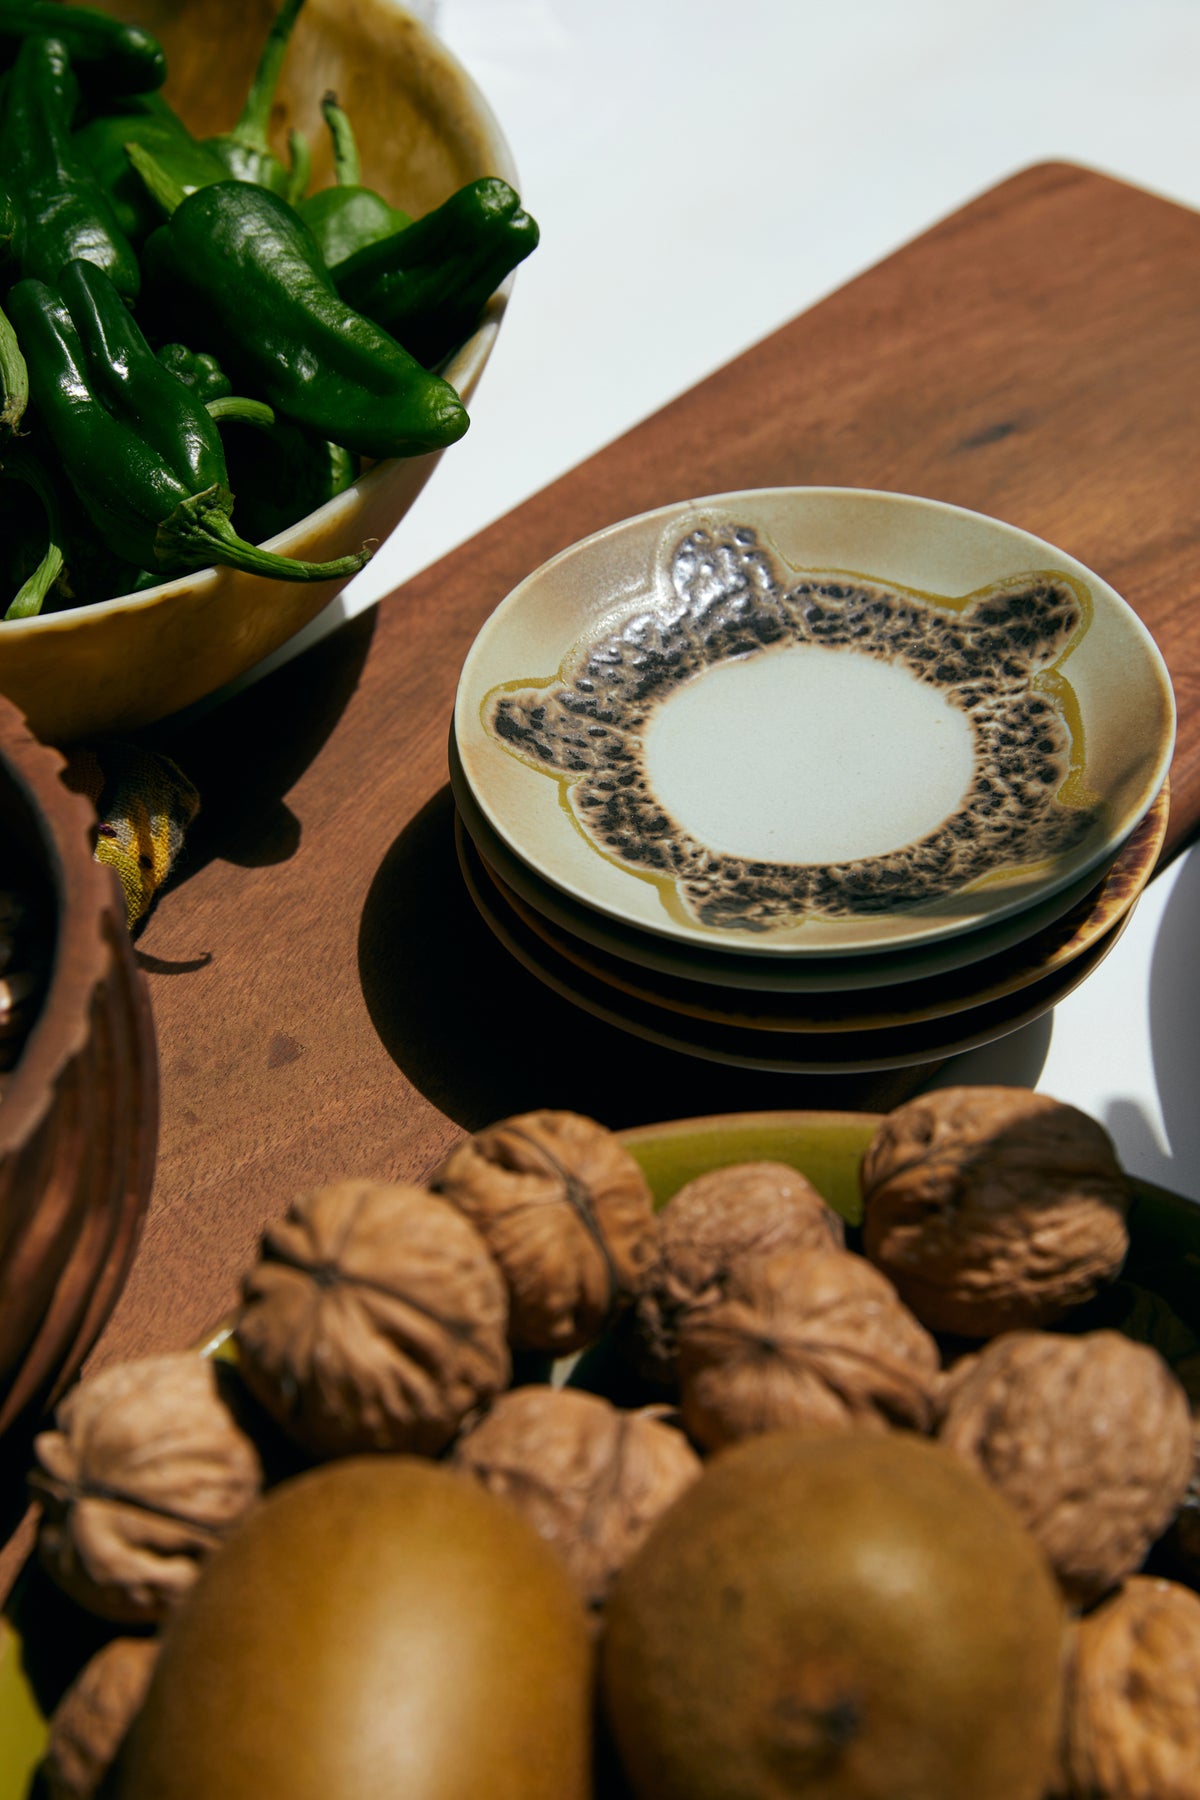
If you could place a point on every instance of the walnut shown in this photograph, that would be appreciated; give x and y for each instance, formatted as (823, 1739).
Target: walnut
(375, 1319)
(1089, 1437)
(1183, 1538)
(740, 1210)
(993, 1209)
(90, 1722)
(1131, 1728)
(568, 1216)
(145, 1473)
(814, 1339)
(590, 1478)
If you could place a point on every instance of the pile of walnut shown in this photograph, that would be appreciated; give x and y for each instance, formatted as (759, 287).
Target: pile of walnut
(389, 1318)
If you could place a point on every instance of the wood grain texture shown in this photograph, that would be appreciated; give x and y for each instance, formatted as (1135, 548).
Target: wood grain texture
(326, 1001)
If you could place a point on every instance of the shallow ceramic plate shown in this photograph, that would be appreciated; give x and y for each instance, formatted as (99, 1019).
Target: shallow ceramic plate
(813, 721)
(554, 914)
(907, 1003)
(44, 1638)
(798, 1052)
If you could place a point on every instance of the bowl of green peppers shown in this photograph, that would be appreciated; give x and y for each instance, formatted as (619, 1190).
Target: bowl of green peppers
(254, 256)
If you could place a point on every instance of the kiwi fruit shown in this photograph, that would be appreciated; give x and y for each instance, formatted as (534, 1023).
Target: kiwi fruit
(841, 1617)
(378, 1626)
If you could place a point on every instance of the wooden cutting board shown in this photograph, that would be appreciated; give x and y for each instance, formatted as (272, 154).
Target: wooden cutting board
(326, 1000)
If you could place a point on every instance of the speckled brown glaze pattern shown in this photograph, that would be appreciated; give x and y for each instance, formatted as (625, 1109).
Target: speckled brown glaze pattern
(731, 601)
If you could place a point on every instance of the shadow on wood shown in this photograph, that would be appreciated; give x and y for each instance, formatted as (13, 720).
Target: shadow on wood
(482, 1038)
(246, 755)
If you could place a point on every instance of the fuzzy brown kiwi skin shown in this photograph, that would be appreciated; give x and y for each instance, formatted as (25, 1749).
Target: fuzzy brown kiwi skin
(377, 1626)
(843, 1617)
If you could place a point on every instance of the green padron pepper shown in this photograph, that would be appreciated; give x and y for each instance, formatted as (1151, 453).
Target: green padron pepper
(148, 120)
(237, 268)
(108, 55)
(428, 284)
(245, 151)
(143, 456)
(347, 216)
(278, 472)
(32, 536)
(199, 372)
(62, 211)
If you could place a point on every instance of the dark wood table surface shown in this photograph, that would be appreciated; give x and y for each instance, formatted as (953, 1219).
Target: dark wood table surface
(326, 1000)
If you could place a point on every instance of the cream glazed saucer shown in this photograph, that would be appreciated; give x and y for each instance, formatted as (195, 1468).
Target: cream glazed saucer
(813, 722)
(936, 997)
(801, 1053)
(557, 916)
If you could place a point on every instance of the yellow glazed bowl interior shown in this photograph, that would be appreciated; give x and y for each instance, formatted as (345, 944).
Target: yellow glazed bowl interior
(423, 130)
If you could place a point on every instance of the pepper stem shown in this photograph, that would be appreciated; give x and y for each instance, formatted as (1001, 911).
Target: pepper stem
(239, 406)
(160, 184)
(254, 121)
(300, 166)
(14, 378)
(26, 603)
(200, 531)
(347, 168)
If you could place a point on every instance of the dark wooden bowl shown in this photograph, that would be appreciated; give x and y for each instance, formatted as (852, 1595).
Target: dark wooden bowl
(79, 1114)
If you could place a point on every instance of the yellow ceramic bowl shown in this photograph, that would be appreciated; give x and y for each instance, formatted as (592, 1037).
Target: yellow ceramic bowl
(423, 130)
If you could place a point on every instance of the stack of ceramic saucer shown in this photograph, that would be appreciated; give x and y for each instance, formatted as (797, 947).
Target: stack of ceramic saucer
(811, 779)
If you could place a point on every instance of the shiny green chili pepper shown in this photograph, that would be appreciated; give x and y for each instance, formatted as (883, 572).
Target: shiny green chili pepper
(23, 465)
(347, 216)
(148, 120)
(428, 285)
(279, 473)
(143, 456)
(107, 54)
(62, 211)
(199, 372)
(238, 267)
(90, 571)
(245, 151)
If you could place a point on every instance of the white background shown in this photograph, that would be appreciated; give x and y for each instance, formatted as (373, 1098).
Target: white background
(703, 171)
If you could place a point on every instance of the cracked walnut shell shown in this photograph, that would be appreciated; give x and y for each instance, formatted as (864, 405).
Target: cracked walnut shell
(741, 1209)
(90, 1722)
(993, 1208)
(146, 1471)
(375, 1319)
(1131, 1726)
(1090, 1439)
(810, 1339)
(568, 1215)
(589, 1477)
